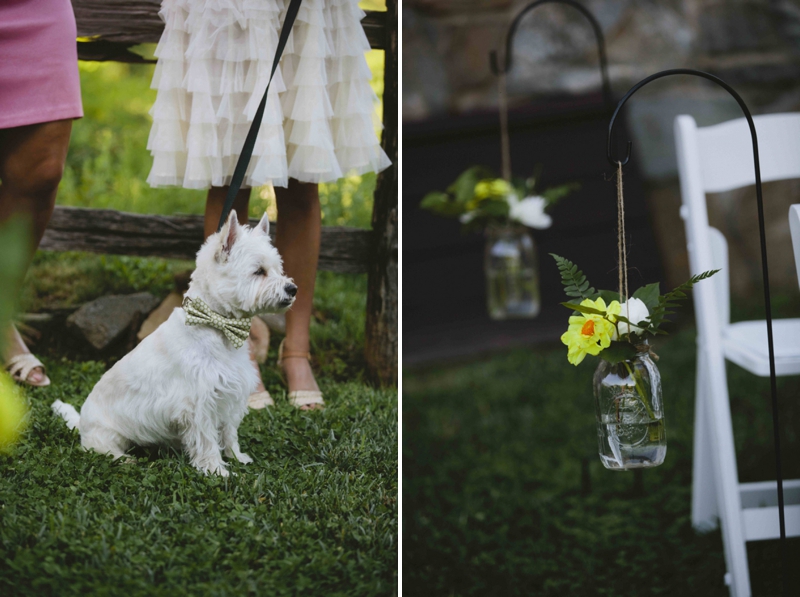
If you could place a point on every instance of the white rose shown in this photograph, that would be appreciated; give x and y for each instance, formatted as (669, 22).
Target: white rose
(529, 211)
(634, 311)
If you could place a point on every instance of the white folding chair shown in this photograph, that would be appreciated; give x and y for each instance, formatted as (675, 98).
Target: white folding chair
(794, 227)
(715, 159)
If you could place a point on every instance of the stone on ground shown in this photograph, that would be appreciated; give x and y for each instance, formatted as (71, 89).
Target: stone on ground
(105, 320)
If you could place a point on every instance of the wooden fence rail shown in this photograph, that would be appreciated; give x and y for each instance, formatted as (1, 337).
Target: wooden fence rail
(112, 27)
(131, 22)
(343, 249)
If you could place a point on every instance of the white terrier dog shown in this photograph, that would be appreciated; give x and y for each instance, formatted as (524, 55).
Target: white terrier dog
(187, 383)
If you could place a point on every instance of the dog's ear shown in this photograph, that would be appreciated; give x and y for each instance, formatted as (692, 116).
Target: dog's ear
(263, 225)
(228, 235)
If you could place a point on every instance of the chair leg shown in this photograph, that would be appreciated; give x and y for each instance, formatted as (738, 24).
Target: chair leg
(705, 515)
(726, 477)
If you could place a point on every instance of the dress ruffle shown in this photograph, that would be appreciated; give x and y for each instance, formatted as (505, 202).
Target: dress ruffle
(214, 60)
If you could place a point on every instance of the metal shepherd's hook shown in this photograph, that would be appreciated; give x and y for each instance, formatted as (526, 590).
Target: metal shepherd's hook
(501, 72)
(764, 268)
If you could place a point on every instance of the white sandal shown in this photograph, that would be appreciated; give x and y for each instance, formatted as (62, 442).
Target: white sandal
(300, 398)
(21, 365)
(260, 400)
(305, 398)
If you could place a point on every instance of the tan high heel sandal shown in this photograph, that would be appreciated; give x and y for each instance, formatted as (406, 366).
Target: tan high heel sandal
(299, 398)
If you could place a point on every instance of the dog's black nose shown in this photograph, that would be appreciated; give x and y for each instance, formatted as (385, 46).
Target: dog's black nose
(291, 289)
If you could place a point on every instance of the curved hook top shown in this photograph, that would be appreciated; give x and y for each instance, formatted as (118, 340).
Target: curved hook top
(667, 73)
(598, 32)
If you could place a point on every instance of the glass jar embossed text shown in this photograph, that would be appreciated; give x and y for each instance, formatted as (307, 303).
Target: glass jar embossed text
(512, 276)
(630, 414)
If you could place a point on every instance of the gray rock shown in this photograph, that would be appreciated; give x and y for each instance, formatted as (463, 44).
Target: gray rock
(103, 321)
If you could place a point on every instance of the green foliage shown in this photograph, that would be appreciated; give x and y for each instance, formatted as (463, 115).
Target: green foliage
(348, 201)
(493, 499)
(491, 206)
(618, 352)
(670, 300)
(442, 204)
(62, 280)
(649, 295)
(14, 243)
(575, 283)
(137, 273)
(456, 201)
(555, 194)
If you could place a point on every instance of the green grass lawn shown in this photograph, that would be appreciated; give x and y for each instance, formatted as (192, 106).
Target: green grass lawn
(314, 514)
(494, 497)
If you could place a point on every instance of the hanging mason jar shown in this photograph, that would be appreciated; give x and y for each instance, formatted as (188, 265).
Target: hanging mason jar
(630, 414)
(512, 275)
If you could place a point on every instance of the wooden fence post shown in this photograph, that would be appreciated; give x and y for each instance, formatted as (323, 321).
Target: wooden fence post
(382, 316)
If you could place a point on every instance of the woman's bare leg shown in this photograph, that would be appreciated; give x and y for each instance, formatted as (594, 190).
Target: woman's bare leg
(297, 240)
(215, 202)
(31, 165)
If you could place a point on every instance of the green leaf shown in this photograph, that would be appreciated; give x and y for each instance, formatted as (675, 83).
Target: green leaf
(607, 295)
(553, 195)
(649, 295)
(463, 189)
(497, 209)
(618, 352)
(442, 204)
(583, 309)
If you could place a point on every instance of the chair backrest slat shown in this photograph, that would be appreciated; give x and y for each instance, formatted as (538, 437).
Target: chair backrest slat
(726, 151)
(794, 226)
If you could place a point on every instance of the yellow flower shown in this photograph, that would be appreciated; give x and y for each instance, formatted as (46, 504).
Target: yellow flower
(12, 413)
(488, 188)
(590, 333)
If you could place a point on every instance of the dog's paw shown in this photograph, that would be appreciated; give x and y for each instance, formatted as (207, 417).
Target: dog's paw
(244, 458)
(214, 469)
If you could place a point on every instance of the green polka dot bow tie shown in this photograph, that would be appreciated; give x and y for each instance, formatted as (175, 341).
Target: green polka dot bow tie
(198, 313)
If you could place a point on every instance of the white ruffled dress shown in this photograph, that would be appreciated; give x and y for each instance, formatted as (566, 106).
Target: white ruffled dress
(214, 60)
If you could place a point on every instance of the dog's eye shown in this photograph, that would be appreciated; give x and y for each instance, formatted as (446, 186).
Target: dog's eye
(260, 272)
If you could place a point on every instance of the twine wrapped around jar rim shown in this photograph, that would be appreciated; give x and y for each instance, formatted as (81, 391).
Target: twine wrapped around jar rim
(645, 346)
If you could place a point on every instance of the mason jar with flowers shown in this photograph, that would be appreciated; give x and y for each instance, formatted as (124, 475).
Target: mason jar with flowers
(505, 212)
(627, 384)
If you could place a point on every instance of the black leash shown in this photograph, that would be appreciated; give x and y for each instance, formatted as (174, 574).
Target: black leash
(250, 141)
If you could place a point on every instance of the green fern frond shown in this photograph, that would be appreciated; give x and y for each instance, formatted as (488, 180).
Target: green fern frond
(670, 300)
(575, 283)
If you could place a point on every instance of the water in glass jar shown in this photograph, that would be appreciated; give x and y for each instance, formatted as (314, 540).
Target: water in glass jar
(631, 440)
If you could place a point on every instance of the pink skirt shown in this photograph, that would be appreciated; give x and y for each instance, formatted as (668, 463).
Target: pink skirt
(39, 79)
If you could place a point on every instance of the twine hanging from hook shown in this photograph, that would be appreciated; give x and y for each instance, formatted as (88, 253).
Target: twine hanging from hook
(505, 150)
(622, 250)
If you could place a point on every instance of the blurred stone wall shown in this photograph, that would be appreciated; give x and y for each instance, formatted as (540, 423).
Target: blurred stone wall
(753, 45)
